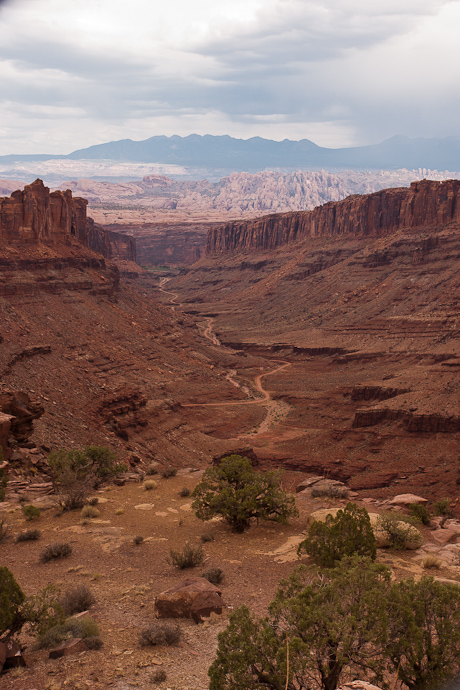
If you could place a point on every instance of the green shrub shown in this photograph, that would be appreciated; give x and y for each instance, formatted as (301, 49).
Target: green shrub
(39, 612)
(75, 473)
(443, 507)
(56, 550)
(189, 557)
(31, 512)
(29, 535)
(78, 599)
(160, 632)
(350, 532)
(11, 599)
(238, 493)
(420, 513)
(169, 472)
(214, 575)
(73, 627)
(399, 530)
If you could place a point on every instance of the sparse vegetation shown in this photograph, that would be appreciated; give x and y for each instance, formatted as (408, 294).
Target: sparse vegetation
(73, 627)
(151, 470)
(150, 484)
(54, 551)
(238, 493)
(28, 535)
(420, 513)
(400, 532)
(76, 600)
(330, 490)
(30, 512)
(443, 507)
(75, 473)
(158, 676)
(184, 492)
(89, 512)
(160, 632)
(93, 501)
(214, 575)
(138, 539)
(189, 557)
(207, 537)
(432, 562)
(350, 532)
(169, 472)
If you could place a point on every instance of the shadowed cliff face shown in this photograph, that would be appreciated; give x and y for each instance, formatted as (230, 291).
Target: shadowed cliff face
(425, 203)
(36, 216)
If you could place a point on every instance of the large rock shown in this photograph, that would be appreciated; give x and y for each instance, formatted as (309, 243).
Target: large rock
(5, 425)
(193, 598)
(22, 411)
(13, 655)
(407, 500)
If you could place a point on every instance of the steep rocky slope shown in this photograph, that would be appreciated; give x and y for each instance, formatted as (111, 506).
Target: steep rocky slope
(361, 298)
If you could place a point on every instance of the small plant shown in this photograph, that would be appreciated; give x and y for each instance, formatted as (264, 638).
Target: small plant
(399, 532)
(73, 627)
(29, 535)
(169, 472)
(214, 575)
(138, 539)
(160, 632)
(443, 507)
(420, 513)
(350, 532)
(4, 529)
(206, 537)
(120, 511)
(76, 600)
(54, 551)
(184, 492)
(89, 512)
(93, 501)
(330, 491)
(158, 676)
(149, 484)
(432, 562)
(30, 512)
(151, 470)
(189, 557)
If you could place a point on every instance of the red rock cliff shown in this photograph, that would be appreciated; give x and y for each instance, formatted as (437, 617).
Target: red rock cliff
(425, 203)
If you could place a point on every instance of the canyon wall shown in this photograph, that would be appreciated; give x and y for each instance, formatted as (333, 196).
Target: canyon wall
(425, 203)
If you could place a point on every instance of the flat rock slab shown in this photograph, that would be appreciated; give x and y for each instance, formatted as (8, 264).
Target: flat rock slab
(307, 483)
(444, 536)
(72, 646)
(144, 506)
(407, 499)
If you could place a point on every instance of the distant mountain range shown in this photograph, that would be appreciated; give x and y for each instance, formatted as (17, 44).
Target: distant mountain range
(226, 154)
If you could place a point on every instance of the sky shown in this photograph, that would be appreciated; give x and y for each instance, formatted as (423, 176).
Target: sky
(338, 72)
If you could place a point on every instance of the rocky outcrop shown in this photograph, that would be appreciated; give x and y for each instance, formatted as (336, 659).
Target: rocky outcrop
(193, 598)
(429, 423)
(112, 245)
(19, 410)
(425, 203)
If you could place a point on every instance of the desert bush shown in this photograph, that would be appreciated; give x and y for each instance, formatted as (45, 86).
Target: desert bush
(420, 513)
(73, 627)
(206, 537)
(350, 532)
(78, 599)
(11, 599)
(94, 642)
(238, 493)
(39, 612)
(75, 473)
(89, 512)
(54, 551)
(29, 535)
(149, 484)
(443, 507)
(158, 676)
(30, 512)
(399, 530)
(160, 632)
(24, 498)
(93, 501)
(184, 492)
(432, 562)
(330, 491)
(169, 472)
(189, 557)
(214, 575)
(138, 539)
(4, 529)
(151, 470)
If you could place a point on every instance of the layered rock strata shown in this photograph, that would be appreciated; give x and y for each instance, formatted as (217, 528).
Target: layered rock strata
(425, 203)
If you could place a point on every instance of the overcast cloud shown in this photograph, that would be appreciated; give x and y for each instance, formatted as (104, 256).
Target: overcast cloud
(340, 73)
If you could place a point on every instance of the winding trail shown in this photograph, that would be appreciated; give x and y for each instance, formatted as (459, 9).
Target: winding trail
(276, 409)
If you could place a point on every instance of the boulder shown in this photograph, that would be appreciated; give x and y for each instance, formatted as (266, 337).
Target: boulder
(444, 536)
(414, 536)
(307, 483)
(321, 514)
(13, 655)
(193, 598)
(407, 499)
(73, 646)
